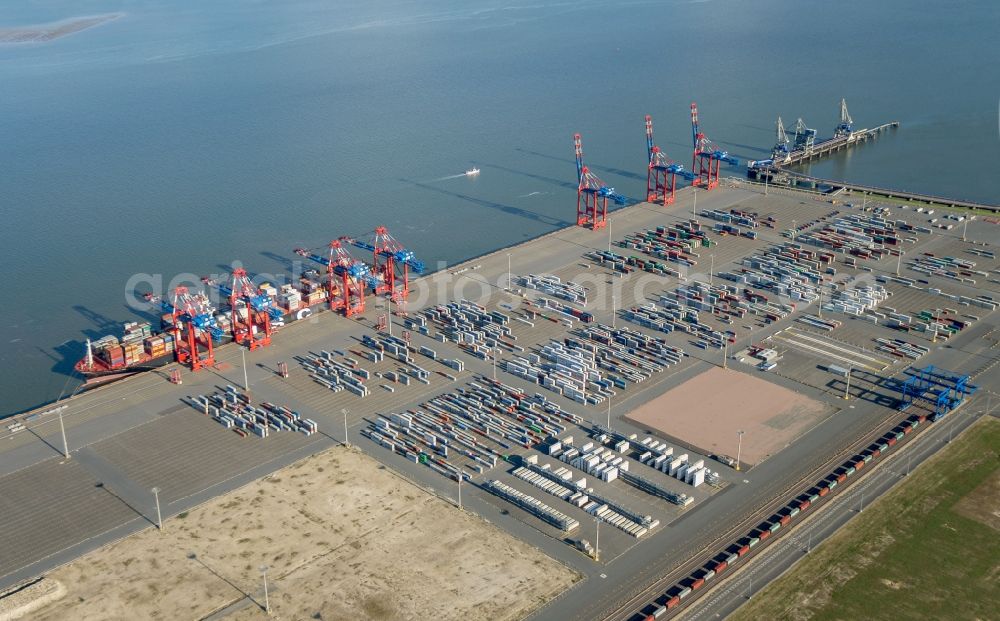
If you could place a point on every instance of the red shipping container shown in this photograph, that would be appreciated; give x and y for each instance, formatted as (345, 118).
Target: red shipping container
(673, 602)
(697, 584)
(743, 550)
(764, 535)
(804, 505)
(721, 567)
(823, 491)
(784, 520)
(841, 478)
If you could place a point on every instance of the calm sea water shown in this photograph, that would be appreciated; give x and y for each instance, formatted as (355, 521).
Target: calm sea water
(186, 135)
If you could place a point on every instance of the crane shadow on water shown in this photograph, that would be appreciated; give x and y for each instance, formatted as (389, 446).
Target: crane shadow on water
(607, 169)
(507, 209)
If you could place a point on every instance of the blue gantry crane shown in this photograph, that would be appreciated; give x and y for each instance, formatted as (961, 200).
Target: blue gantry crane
(945, 389)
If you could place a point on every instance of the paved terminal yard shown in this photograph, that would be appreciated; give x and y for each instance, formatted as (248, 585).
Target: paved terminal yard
(434, 413)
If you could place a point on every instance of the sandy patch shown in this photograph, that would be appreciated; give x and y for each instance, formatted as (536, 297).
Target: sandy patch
(342, 537)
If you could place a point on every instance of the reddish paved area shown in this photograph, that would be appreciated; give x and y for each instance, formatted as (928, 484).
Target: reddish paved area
(707, 411)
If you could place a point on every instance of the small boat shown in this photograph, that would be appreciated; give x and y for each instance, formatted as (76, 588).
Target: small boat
(472, 172)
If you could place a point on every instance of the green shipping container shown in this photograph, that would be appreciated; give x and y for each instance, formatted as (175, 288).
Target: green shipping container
(774, 527)
(753, 541)
(851, 471)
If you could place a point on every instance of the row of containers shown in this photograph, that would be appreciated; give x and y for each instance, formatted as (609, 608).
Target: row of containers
(232, 409)
(338, 371)
(862, 236)
(610, 456)
(729, 223)
(945, 322)
(676, 243)
(480, 423)
(681, 310)
(554, 286)
(595, 362)
(959, 270)
(729, 557)
(562, 483)
(478, 331)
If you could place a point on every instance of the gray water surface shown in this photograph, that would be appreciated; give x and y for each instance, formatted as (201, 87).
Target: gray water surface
(186, 135)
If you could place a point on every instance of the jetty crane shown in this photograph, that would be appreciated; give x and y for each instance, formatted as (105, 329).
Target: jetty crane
(391, 263)
(780, 151)
(846, 125)
(661, 179)
(592, 194)
(346, 277)
(707, 157)
(804, 138)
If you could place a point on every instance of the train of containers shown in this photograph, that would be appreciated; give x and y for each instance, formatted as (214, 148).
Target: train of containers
(482, 422)
(737, 550)
(233, 410)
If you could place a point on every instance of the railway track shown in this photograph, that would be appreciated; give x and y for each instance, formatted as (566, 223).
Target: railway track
(694, 559)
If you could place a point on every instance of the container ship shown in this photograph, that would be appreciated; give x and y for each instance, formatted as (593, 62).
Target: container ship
(191, 326)
(141, 348)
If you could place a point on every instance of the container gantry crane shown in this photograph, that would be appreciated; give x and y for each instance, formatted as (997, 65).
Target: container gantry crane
(252, 311)
(346, 277)
(846, 125)
(592, 194)
(391, 263)
(661, 178)
(707, 157)
(194, 328)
